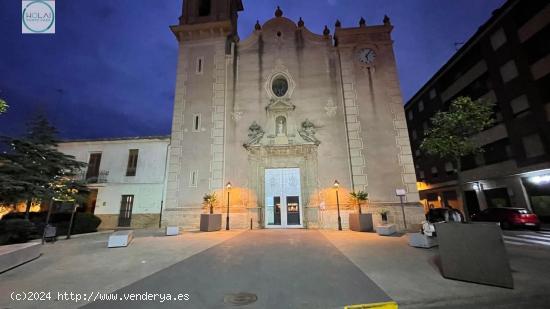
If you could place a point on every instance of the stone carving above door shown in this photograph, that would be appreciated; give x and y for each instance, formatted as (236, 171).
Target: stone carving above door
(280, 105)
(307, 132)
(255, 135)
(280, 132)
(281, 126)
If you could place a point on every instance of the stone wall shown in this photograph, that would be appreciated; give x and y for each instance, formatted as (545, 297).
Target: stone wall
(110, 221)
(414, 215)
(314, 217)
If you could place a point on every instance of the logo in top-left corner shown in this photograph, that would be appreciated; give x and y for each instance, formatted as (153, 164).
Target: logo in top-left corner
(38, 16)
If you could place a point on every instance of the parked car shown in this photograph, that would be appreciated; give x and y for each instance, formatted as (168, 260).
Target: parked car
(509, 217)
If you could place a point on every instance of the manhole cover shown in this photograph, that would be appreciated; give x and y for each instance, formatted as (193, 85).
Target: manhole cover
(240, 299)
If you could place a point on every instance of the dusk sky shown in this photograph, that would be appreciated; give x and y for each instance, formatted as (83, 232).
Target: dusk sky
(110, 68)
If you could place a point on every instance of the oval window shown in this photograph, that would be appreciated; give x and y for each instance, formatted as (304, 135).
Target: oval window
(280, 86)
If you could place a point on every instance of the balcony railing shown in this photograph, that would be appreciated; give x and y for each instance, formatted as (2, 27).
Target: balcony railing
(102, 177)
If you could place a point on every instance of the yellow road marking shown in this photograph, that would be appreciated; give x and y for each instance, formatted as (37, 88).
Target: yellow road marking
(386, 305)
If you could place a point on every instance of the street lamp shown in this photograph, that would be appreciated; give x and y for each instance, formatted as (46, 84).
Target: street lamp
(336, 186)
(228, 186)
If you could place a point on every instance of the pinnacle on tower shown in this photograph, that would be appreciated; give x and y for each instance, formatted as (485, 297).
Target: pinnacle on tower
(387, 21)
(278, 12)
(326, 31)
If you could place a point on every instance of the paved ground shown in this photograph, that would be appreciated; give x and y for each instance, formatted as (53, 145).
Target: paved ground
(284, 268)
(85, 265)
(411, 276)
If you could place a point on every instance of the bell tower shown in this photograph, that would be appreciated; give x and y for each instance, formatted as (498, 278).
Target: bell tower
(380, 153)
(207, 34)
(211, 11)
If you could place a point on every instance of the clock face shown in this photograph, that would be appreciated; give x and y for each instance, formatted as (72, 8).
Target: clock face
(367, 55)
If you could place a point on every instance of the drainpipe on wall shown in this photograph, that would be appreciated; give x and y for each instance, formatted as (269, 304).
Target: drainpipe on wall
(164, 181)
(345, 117)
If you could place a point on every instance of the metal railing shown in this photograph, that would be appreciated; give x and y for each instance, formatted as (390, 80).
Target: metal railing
(101, 177)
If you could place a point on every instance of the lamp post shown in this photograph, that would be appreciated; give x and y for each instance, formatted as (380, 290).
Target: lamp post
(75, 207)
(336, 186)
(228, 186)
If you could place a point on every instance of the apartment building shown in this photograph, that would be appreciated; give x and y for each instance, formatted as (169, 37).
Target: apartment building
(506, 62)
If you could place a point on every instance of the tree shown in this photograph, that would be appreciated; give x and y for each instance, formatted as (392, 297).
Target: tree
(35, 169)
(358, 198)
(3, 106)
(20, 176)
(450, 136)
(209, 199)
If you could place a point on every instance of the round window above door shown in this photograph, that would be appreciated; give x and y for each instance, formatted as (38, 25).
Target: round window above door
(279, 86)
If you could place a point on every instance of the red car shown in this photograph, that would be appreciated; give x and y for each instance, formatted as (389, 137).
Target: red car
(509, 217)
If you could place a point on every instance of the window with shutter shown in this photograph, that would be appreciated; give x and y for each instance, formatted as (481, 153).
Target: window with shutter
(132, 162)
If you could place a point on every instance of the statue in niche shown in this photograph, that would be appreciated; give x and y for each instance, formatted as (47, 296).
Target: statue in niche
(255, 134)
(280, 128)
(307, 132)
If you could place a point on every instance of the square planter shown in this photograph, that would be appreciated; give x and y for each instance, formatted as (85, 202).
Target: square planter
(474, 252)
(386, 229)
(120, 239)
(360, 222)
(420, 240)
(211, 222)
(172, 230)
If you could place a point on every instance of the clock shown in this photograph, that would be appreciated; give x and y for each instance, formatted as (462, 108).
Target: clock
(367, 55)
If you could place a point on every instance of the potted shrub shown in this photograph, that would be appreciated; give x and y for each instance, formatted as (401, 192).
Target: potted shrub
(384, 213)
(360, 222)
(210, 221)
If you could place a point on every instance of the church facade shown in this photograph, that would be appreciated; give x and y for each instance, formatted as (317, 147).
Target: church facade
(282, 115)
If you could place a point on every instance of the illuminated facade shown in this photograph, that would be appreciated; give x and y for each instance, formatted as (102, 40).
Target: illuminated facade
(281, 115)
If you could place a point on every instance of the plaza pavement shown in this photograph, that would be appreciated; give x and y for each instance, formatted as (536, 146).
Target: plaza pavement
(411, 277)
(84, 264)
(283, 268)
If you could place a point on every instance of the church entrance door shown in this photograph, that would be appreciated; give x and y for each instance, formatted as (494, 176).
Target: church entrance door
(283, 207)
